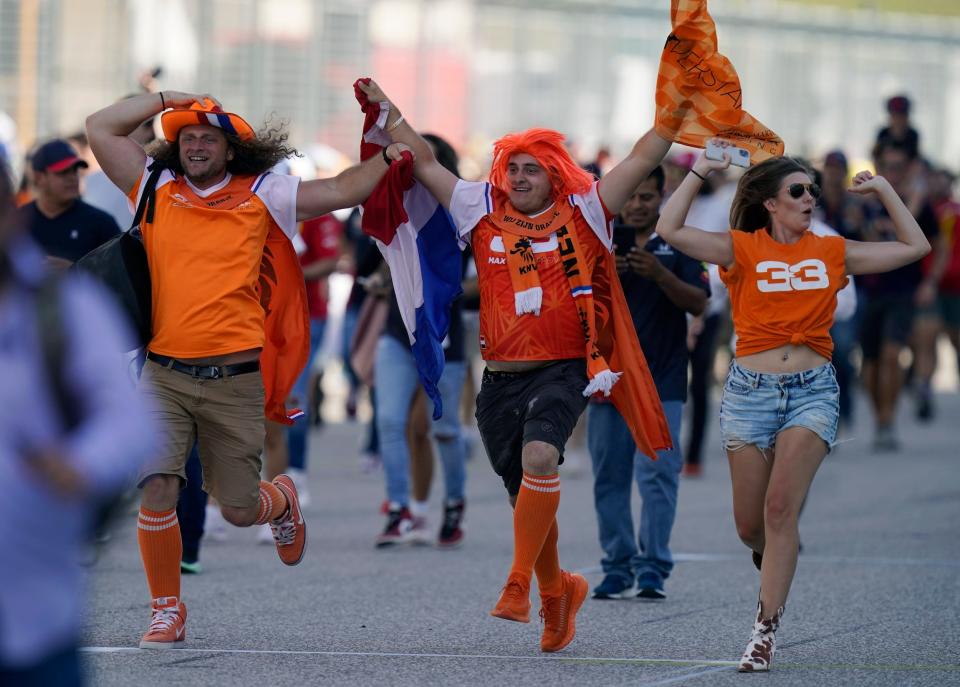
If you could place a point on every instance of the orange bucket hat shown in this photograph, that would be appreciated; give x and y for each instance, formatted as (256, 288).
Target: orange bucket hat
(204, 114)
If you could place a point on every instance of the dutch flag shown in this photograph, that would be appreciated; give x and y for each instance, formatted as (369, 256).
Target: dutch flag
(417, 238)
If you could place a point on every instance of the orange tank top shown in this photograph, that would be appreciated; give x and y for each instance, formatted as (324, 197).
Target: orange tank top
(204, 254)
(784, 293)
(554, 334)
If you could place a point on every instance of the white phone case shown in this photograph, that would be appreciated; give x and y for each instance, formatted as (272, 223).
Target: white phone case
(738, 156)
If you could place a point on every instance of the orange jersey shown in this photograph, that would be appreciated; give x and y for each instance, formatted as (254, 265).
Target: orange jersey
(205, 250)
(554, 334)
(784, 293)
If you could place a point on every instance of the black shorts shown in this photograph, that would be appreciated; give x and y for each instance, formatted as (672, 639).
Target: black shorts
(515, 408)
(885, 319)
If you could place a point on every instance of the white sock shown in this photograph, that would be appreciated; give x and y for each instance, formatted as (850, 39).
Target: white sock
(419, 509)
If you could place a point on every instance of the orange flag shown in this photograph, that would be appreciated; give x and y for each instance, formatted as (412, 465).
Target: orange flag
(286, 324)
(698, 90)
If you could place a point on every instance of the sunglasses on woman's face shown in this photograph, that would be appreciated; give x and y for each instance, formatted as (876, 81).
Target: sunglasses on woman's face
(796, 190)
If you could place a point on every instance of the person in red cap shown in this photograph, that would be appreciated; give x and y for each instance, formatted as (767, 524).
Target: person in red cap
(554, 330)
(64, 226)
(898, 132)
(217, 210)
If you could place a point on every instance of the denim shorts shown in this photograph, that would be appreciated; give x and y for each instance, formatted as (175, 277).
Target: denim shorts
(756, 406)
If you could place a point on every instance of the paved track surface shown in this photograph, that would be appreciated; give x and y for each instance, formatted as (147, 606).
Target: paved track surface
(876, 600)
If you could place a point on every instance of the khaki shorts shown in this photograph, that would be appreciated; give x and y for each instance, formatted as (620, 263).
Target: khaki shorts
(225, 415)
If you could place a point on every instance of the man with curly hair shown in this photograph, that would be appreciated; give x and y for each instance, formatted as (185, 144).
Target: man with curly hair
(217, 209)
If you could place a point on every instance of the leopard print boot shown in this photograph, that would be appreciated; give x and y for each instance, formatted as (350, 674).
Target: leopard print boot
(759, 652)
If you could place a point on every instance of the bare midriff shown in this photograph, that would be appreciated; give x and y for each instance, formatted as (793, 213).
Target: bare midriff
(226, 359)
(783, 359)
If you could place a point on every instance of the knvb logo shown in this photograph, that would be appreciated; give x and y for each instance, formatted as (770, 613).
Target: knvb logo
(806, 275)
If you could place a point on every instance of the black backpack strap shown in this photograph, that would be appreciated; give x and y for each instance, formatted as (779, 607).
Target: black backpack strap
(148, 198)
(53, 345)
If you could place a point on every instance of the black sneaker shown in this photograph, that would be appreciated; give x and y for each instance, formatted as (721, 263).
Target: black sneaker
(613, 587)
(650, 587)
(399, 522)
(451, 532)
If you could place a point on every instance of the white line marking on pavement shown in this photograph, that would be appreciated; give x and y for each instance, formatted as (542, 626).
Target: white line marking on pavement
(686, 676)
(388, 654)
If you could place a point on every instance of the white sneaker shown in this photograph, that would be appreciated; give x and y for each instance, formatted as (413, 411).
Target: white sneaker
(299, 478)
(264, 535)
(419, 532)
(215, 527)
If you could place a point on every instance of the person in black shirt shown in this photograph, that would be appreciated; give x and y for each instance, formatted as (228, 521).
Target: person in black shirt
(893, 299)
(898, 131)
(661, 285)
(65, 227)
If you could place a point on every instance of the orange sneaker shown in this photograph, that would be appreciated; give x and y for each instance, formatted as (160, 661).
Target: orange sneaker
(168, 627)
(289, 531)
(559, 613)
(514, 603)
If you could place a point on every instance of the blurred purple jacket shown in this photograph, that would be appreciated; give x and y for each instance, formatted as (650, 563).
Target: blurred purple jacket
(44, 535)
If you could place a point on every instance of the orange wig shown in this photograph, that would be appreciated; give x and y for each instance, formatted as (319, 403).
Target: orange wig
(546, 146)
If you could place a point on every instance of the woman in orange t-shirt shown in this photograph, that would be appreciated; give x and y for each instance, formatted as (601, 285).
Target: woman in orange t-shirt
(779, 411)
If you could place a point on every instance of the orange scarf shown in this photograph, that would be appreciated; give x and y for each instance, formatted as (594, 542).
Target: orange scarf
(698, 90)
(516, 231)
(286, 324)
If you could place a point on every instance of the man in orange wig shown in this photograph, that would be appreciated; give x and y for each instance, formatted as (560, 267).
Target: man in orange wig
(554, 330)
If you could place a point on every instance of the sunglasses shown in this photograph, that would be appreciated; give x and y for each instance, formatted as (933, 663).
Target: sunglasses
(796, 190)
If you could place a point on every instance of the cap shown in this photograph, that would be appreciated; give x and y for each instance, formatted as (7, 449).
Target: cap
(206, 114)
(899, 104)
(835, 157)
(55, 156)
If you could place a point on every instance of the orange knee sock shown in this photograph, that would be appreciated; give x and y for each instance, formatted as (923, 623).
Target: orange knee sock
(547, 566)
(273, 503)
(533, 517)
(158, 533)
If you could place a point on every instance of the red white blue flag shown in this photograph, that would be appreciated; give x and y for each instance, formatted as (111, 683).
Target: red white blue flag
(417, 238)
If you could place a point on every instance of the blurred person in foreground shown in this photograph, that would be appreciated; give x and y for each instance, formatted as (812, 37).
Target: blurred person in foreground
(73, 433)
(59, 221)
(219, 255)
(554, 330)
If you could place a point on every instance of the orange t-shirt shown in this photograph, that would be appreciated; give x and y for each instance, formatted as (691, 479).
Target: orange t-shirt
(204, 249)
(784, 293)
(554, 334)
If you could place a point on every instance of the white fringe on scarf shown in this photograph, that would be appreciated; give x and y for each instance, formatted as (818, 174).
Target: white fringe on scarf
(528, 300)
(602, 381)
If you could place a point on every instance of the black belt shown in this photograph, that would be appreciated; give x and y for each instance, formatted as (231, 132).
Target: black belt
(205, 371)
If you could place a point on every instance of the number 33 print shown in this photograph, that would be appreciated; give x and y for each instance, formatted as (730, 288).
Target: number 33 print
(806, 275)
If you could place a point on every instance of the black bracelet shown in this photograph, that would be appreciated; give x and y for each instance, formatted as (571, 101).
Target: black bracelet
(693, 171)
(163, 105)
(386, 158)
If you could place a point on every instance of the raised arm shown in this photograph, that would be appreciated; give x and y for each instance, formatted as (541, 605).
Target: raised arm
(619, 183)
(707, 246)
(350, 187)
(120, 157)
(438, 179)
(911, 245)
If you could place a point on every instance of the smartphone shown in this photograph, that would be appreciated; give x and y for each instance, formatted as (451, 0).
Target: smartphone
(738, 156)
(624, 238)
